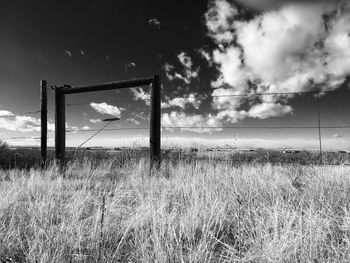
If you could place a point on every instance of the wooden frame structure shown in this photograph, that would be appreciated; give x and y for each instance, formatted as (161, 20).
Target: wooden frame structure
(60, 115)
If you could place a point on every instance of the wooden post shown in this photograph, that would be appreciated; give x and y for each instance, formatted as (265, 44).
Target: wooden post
(155, 129)
(319, 128)
(155, 123)
(60, 126)
(43, 101)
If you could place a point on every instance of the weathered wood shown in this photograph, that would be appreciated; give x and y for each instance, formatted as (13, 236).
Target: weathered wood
(319, 127)
(155, 123)
(60, 128)
(109, 86)
(43, 143)
(155, 129)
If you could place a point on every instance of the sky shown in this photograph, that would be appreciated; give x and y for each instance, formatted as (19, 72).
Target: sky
(207, 53)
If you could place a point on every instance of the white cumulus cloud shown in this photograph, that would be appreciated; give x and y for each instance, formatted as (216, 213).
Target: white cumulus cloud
(206, 55)
(188, 73)
(142, 95)
(190, 122)
(68, 53)
(133, 121)
(181, 102)
(262, 5)
(5, 113)
(95, 121)
(129, 66)
(25, 124)
(298, 46)
(104, 108)
(154, 22)
(219, 20)
(267, 110)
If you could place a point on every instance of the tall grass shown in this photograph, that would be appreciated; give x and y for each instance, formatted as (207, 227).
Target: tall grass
(195, 211)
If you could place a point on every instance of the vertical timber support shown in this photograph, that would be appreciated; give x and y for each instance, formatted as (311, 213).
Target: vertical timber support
(155, 129)
(60, 126)
(155, 122)
(43, 142)
(319, 127)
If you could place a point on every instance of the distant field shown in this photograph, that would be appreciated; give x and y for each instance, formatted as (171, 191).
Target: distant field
(190, 211)
(27, 158)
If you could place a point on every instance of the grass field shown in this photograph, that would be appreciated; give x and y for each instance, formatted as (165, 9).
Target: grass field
(27, 158)
(190, 211)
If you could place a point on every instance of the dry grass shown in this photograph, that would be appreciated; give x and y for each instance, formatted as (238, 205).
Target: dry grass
(188, 212)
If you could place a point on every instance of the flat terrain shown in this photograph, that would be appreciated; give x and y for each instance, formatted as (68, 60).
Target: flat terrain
(188, 212)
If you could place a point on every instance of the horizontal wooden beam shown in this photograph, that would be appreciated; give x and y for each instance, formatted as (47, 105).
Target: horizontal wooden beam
(109, 86)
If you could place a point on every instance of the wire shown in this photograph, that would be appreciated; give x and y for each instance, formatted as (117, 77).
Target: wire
(14, 138)
(217, 127)
(78, 104)
(279, 93)
(86, 103)
(114, 129)
(22, 114)
(17, 138)
(184, 127)
(144, 97)
(99, 131)
(259, 127)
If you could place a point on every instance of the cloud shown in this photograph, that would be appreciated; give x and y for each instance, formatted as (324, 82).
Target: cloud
(185, 60)
(25, 124)
(140, 94)
(154, 22)
(133, 120)
(104, 108)
(300, 46)
(181, 102)
(129, 66)
(21, 124)
(189, 72)
(168, 68)
(141, 115)
(189, 122)
(230, 66)
(338, 136)
(206, 55)
(267, 110)
(68, 53)
(263, 5)
(231, 116)
(73, 129)
(169, 72)
(95, 121)
(219, 20)
(5, 113)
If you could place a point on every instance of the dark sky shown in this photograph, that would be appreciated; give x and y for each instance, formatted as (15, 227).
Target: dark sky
(35, 35)
(81, 42)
